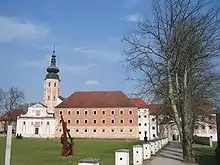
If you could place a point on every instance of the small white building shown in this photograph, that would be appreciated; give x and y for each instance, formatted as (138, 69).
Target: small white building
(147, 125)
(37, 122)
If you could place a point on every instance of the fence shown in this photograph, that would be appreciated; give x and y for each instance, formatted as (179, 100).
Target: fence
(141, 152)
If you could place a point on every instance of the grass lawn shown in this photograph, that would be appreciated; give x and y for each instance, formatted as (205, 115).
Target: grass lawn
(47, 152)
(206, 155)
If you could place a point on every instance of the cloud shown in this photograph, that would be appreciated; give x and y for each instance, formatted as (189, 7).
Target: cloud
(14, 29)
(133, 18)
(130, 3)
(76, 68)
(92, 82)
(44, 62)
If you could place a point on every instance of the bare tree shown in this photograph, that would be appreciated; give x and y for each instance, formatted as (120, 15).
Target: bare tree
(173, 55)
(12, 99)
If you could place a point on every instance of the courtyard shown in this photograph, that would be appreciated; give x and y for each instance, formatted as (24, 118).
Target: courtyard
(47, 152)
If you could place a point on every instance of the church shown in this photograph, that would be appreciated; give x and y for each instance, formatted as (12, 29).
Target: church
(92, 114)
(39, 121)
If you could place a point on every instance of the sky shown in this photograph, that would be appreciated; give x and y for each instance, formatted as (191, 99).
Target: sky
(87, 35)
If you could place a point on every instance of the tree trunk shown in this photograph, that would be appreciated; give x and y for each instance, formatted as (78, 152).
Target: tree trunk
(187, 147)
(186, 121)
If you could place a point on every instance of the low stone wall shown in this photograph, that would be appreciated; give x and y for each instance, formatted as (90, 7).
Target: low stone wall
(141, 152)
(203, 140)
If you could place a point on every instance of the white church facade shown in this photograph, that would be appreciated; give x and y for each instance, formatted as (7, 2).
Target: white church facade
(39, 121)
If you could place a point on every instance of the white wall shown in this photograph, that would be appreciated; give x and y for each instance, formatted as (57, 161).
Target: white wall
(26, 127)
(153, 127)
(146, 123)
(36, 118)
(143, 123)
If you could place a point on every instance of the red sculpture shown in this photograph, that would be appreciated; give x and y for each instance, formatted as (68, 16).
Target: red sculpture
(67, 148)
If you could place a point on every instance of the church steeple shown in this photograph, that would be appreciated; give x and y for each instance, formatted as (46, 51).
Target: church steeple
(53, 70)
(52, 83)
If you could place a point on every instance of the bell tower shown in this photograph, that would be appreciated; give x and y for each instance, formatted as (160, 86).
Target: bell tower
(52, 83)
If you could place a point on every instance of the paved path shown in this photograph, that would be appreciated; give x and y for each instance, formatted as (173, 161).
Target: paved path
(169, 155)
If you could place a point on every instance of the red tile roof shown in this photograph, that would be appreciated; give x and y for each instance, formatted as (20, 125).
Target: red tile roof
(139, 102)
(96, 99)
(13, 113)
(154, 108)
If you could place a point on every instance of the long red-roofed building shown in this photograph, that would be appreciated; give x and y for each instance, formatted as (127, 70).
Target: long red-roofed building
(99, 114)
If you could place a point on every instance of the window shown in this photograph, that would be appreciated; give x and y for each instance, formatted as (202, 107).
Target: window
(103, 112)
(153, 128)
(153, 119)
(210, 127)
(77, 112)
(94, 130)
(113, 121)
(37, 113)
(24, 122)
(48, 97)
(85, 130)
(69, 112)
(154, 135)
(48, 123)
(121, 121)
(68, 121)
(86, 121)
(49, 84)
(130, 112)
(139, 132)
(60, 130)
(139, 124)
(112, 130)
(139, 116)
(145, 116)
(130, 121)
(94, 112)
(60, 121)
(121, 112)
(196, 127)
(77, 130)
(103, 121)
(61, 112)
(94, 121)
(54, 97)
(203, 127)
(86, 112)
(113, 112)
(55, 84)
(131, 130)
(77, 121)
(103, 130)
(121, 130)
